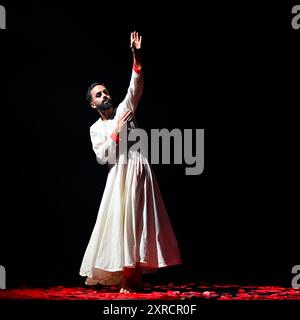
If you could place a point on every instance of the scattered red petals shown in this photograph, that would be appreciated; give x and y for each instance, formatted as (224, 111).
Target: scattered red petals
(170, 291)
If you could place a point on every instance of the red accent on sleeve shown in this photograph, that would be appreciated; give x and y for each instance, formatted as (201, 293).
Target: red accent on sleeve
(115, 137)
(137, 69)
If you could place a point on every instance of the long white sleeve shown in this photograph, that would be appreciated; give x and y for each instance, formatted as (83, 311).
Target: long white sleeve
(133, 95)
(104, 148)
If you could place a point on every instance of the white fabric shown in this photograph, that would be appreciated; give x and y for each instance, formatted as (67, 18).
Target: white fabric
(132, 226)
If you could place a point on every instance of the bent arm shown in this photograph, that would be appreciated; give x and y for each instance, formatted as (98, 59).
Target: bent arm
(104, 148)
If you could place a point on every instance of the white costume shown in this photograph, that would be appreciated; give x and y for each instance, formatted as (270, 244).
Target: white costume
(132, 224)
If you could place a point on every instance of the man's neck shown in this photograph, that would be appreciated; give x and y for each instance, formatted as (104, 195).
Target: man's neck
(105, 115)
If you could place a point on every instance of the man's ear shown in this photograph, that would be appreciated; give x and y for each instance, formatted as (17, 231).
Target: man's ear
(92, 104)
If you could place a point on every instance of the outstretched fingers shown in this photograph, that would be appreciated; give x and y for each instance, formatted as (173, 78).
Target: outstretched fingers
(135, 40)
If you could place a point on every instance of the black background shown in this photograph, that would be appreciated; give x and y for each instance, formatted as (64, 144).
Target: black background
(221, 67)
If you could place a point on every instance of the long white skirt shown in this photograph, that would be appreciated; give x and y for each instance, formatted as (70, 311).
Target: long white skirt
(132, 227)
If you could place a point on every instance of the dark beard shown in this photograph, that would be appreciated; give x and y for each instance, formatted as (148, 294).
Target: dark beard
(104, 106)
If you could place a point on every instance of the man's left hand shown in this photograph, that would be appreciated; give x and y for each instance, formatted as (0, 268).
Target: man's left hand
(135, 40)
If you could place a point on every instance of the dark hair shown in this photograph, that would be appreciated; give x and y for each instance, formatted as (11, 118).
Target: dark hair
(90, 88)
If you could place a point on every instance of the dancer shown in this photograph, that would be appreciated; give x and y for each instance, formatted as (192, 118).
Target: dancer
(132, 234)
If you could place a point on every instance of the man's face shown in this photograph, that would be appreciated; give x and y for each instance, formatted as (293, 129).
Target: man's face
(100, 98)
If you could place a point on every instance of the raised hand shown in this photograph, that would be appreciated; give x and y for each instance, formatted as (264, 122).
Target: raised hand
(135, 40)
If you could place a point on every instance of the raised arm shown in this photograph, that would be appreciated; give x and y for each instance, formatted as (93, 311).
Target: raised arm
(136, 85)
(136, 45)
